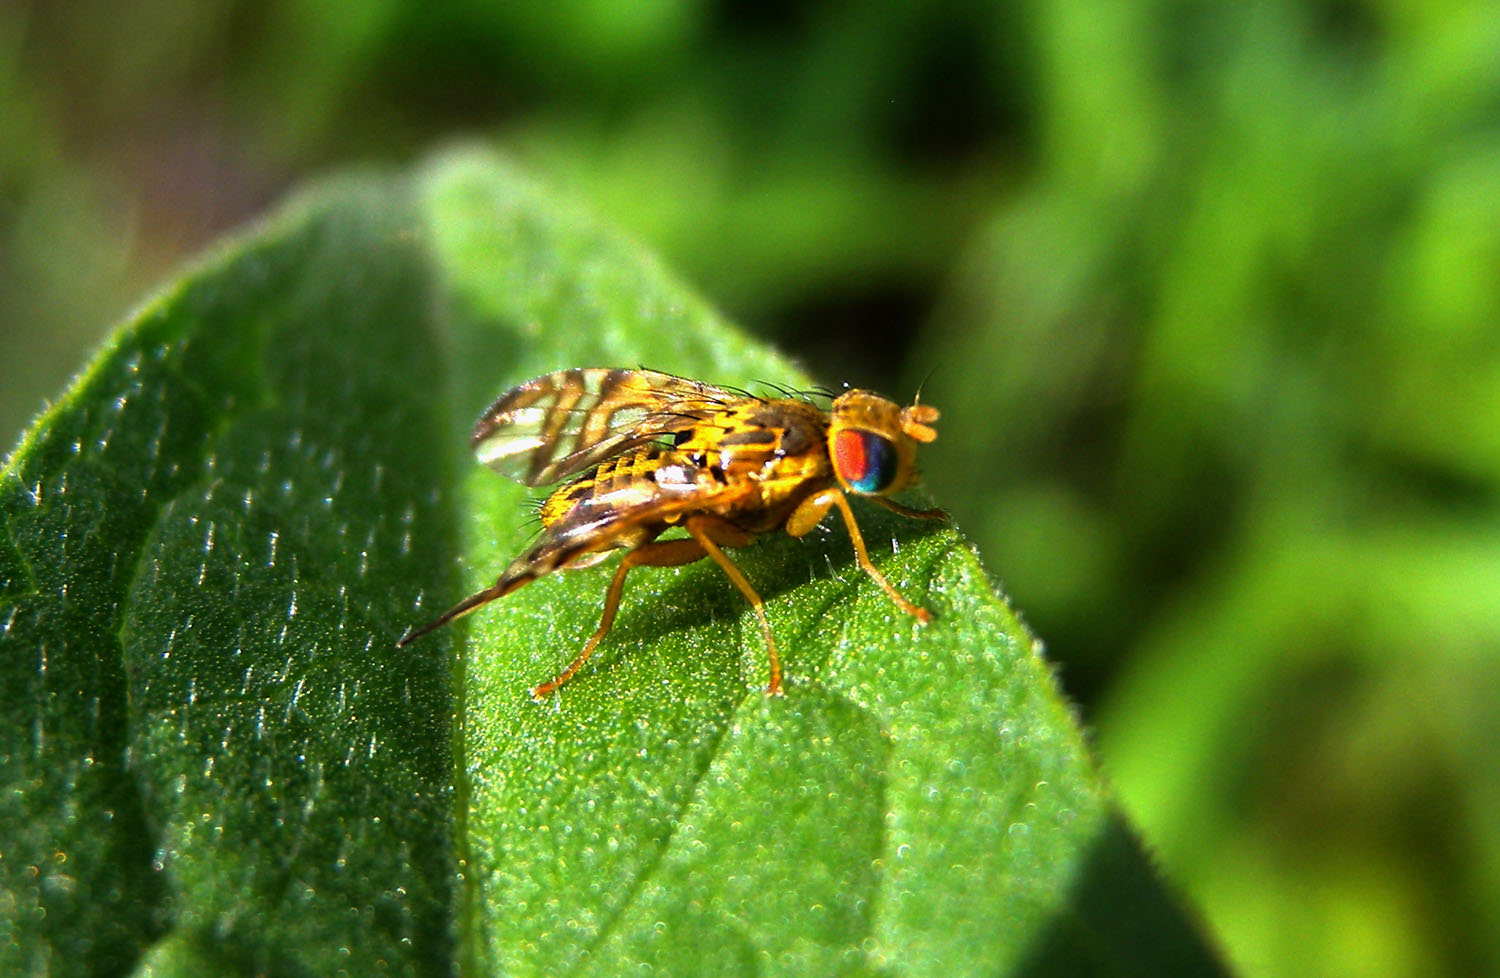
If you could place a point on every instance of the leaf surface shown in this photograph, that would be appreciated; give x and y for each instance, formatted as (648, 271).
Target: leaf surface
(220, 763)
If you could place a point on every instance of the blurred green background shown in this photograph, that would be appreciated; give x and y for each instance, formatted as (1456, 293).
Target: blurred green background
(1208, 293)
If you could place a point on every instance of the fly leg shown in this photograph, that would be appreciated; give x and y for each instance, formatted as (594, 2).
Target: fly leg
(661, 553)
(916, 514)
(812, 509)
(709, 532)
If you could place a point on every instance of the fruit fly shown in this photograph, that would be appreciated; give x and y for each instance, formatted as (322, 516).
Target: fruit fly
(646, 452)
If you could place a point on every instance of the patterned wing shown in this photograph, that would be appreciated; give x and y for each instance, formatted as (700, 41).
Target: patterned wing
(561, 423)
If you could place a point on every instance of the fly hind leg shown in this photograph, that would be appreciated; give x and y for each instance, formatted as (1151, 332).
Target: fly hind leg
(661, 553)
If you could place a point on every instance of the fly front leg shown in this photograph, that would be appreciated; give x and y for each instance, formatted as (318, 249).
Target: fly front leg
(811, 511)
(709, 532)
(661, 553)
(907, 511)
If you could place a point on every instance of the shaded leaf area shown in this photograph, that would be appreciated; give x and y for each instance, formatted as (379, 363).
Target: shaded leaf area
(219, 763)
(207, 537)
(920, 802)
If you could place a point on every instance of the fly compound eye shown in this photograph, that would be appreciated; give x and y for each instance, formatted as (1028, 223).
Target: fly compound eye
(865, 461)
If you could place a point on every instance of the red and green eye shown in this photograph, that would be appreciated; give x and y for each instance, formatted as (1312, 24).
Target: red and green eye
(866, 462)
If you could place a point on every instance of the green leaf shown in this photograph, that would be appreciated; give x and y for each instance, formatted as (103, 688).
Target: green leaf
(217, 762)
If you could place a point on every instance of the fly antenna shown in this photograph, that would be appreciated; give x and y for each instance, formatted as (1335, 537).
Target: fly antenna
(917, 419)
(917, 398)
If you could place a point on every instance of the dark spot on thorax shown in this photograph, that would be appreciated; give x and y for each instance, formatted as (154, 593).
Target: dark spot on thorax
(795, 440)
(750, 436)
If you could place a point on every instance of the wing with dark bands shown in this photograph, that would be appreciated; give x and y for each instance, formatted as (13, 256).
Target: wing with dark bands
(562, 423)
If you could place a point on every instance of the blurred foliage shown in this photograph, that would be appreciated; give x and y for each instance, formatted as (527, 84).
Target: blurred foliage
(1209, 292)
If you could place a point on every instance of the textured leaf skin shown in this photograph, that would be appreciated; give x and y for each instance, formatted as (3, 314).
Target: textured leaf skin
(211, 536)
(222, 765)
